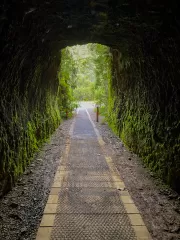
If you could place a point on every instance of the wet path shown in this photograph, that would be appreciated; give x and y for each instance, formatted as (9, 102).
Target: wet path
(88, 200)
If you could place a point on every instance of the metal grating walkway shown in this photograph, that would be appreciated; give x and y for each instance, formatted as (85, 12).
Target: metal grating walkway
(89, 206)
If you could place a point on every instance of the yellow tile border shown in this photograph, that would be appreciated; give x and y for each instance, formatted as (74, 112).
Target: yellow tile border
(50, 208)
(119, 185)
(101, 142)
(136, 220)
(142, 233)
(116, 178)
(44, 233)
(61, 168)
(52, 199)
(131, 208)
(57, 185)
(54, 191)
(126, 199)
(47, 221)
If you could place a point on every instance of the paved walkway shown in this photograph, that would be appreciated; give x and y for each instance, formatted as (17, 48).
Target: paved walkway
(88, 200)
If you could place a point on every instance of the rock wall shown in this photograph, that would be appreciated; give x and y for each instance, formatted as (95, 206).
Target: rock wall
(144, 105)
(29, 113)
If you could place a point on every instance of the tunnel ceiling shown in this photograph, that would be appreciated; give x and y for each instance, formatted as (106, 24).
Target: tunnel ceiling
(37, 25)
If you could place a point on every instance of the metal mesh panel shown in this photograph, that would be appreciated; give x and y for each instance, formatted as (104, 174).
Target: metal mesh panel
(89, 206)
(89, 200)
(92, 227)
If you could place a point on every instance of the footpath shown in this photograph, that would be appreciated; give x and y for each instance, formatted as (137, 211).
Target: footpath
(88, 199)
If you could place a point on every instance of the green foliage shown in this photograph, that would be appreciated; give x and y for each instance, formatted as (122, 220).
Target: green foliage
(85, 91)
(87, 70)
(103, 76)
(67, 83)
(78, 69)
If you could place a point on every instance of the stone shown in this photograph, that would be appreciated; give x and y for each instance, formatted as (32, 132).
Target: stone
(23, 230)
(14, 205)
(15, 216)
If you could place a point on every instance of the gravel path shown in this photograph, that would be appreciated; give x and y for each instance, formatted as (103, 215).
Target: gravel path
(22, 208)
(159, 205)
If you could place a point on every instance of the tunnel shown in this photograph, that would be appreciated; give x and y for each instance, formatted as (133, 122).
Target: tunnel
(144, 98)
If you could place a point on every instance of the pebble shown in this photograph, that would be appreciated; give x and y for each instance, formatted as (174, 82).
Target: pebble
(21, 183)
(176, 209)
(176, 229)
(172, 196)
(13, 205)
(161, 204)
(15, 216)
(122, 189)
(23, 230)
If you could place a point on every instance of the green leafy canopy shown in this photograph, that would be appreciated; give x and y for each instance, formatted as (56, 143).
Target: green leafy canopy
(86, 70)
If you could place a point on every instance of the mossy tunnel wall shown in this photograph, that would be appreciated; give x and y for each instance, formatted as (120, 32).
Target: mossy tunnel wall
(144, 93)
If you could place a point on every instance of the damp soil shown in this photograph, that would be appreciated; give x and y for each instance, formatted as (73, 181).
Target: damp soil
(22, 208)
(158, 204)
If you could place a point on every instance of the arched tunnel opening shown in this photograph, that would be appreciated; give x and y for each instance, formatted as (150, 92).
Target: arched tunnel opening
(143, 96)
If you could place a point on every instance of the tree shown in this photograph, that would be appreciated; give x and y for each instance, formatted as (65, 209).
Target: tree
(85, 72)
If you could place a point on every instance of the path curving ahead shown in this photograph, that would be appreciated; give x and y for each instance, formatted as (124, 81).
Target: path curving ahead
(88, 199)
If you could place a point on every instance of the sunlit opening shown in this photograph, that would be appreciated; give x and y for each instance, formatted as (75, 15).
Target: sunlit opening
(86, 70)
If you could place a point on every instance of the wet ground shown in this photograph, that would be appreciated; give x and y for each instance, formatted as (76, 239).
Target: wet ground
(21, 210)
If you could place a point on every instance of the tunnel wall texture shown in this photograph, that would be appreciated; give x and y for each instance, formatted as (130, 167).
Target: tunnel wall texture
(30, 101)
(29, 113)
(144, 103)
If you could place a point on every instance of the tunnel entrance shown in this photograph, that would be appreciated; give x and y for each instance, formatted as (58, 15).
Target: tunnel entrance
(86, 69)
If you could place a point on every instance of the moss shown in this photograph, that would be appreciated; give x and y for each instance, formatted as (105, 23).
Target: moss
(138, 114)
(31, 118)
